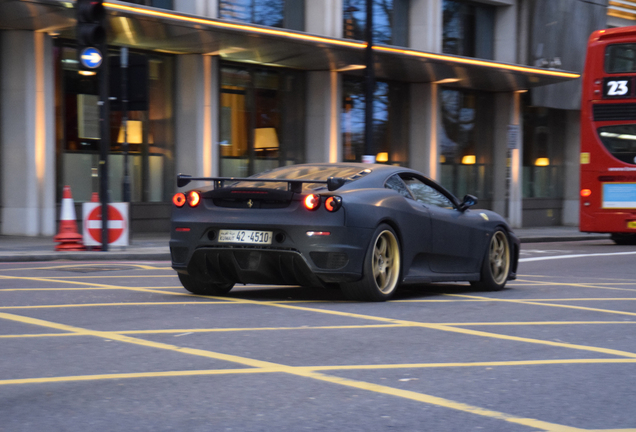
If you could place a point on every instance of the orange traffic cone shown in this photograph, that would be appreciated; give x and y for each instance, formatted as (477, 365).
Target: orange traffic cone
(68, 237)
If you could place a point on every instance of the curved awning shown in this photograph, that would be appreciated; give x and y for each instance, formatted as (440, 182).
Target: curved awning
(179, 33)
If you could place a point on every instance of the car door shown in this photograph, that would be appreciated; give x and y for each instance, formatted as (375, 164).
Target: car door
(454, 234)
(415, 225)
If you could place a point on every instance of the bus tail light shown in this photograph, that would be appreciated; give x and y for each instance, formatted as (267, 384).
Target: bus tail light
(194, 198)
(333, 203)
(312, 202)
(179, 199)
(585, 193)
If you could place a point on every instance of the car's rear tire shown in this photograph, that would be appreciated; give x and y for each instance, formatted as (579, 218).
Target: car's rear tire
(496, 264)
(204, 288)
(381, 269)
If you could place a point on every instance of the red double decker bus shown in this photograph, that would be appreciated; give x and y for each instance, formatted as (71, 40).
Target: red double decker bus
(608, 135)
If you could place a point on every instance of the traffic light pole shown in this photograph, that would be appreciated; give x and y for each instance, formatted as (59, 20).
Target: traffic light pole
(104, 143)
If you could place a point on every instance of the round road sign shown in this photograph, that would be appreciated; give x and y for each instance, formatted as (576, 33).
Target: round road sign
(116, 224)
(91, 58)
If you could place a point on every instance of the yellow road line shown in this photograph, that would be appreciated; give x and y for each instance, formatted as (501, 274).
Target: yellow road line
(274, 367)
(335, 327)
(65, 266)
(51, 289)
(550, 305)
(441, 327)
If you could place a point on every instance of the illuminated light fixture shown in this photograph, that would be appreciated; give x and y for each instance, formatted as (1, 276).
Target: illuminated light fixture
(442, 159)
(330, 41)
(627, 137)
(194, 198)
(333, 203)
(312, 202)
(182, 229)
(244, 27)
(447, 81)
(318, 233)
(470, 61)
(135, 132)
(382, 157)
(265, 139)
(609, 135)
(469, 160)
(542, 161)
(87, 73)
(585, 193)
(351, 68)
(179, 199)
(522, 91)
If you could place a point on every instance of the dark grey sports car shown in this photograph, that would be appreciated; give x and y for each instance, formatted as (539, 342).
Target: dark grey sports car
(365, 228)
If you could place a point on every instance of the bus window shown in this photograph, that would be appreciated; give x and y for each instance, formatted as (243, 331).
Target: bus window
(620, 141)
(620, 58)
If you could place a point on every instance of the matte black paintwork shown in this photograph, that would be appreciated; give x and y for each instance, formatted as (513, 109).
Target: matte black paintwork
(437, 244)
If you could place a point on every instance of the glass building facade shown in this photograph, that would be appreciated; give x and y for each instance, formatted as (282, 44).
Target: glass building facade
(150, 127)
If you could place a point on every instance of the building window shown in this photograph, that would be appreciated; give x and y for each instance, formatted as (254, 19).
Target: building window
(390, 21)
(162, 4)
(288, 14)
(468, 29)
(465, 142)
(150, 127)
(544, 132)
(390, 121)
(261, 119)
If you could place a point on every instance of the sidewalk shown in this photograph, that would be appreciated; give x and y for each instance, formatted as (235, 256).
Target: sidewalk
(154, 246)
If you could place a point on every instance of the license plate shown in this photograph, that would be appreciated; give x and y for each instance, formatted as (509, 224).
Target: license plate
(631, 224)
(245, 236)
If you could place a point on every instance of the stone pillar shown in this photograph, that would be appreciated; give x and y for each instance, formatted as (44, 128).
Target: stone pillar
(571, 168)
(507, 113)
(506, 34)
(324, 96)
(197, 116)
(27, 131)
(324, 17)
(206, 8)
(425, 25)
(423, 128)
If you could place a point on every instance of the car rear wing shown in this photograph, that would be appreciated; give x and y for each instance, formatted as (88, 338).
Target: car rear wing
(293, 185)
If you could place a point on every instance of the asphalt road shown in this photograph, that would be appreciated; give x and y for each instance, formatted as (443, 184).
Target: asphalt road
(111, 346)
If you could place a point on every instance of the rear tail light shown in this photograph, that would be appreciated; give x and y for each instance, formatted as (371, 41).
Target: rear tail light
(333, 203)
(312, 202)
(179, 199)
(193, 198)
(586, 193)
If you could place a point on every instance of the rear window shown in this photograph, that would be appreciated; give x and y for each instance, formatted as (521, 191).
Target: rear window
(620, 58)
(620, 141)
(304, 172)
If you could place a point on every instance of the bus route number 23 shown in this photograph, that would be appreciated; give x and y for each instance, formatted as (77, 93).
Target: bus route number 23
(618, 87)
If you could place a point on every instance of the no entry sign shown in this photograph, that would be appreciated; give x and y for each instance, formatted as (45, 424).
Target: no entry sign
(117, 224)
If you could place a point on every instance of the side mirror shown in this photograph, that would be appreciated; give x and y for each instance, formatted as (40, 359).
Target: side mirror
(468, 201)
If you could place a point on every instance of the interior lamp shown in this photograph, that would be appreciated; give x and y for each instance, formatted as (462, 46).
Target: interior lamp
(382, 157)
(469, 160)
(265, 139)
(542, 161)
(135, 135)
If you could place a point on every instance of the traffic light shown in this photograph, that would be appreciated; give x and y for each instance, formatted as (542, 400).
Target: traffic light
(91, 32)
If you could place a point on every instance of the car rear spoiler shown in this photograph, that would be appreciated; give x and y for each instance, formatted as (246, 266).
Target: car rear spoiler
(295, 186)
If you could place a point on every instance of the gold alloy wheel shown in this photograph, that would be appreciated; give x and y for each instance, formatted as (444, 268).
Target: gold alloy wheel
(386, 262)
(499, 257)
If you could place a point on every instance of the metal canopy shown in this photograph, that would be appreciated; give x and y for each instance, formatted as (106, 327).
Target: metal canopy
(179, 33)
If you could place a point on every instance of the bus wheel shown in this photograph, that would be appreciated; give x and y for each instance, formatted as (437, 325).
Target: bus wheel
(624, 238)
